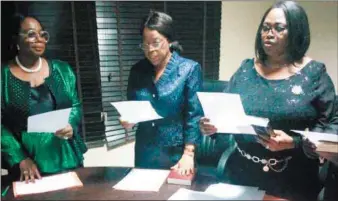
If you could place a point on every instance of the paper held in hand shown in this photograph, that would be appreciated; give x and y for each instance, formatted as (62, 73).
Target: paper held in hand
(48, 122)
(227, 114)
(325, 142)
(47, 183)
(136, 111)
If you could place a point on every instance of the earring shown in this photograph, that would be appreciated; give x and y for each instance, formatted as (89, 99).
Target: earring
(170, 45)
(18, 47)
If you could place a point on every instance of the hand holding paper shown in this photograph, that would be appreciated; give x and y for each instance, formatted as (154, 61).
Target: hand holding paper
(48, 122)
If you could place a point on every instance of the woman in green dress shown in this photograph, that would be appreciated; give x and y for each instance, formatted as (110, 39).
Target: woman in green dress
(30, 85)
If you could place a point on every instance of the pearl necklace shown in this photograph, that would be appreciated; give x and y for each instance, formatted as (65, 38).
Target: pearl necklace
(28, 70)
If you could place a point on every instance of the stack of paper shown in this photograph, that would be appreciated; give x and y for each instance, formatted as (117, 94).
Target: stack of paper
(136, 111)
(325, 142)
(143, 180)
(220, 191)
(48, 183)
(227, 114)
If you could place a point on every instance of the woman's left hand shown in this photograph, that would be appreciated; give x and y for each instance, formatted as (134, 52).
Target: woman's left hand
(280, 141)
(185, 165)
(65, 133)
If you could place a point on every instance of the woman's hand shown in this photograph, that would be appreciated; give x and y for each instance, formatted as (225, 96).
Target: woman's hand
(207, 128)
(126, 124)
(185, 165)
(309, 149)
(280, 141)
(65, 133)
(28, 170)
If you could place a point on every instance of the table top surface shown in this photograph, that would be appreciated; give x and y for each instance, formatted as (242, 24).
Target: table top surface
(98, 183)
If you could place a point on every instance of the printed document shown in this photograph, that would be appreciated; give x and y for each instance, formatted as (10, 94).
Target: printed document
(48, 122)
(47, 183)
(226, 112)
(136, 111)
(143, 180)
(235, 192)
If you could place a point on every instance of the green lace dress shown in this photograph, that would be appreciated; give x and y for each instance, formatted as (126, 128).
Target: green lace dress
(18, 101)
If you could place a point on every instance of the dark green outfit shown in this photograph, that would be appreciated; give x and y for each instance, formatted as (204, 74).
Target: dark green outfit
(19, 101)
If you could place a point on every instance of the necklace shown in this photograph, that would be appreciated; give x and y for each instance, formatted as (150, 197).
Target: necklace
(28, 70)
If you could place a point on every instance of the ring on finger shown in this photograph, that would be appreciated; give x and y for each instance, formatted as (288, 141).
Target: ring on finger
(65, 137)
(25, 172)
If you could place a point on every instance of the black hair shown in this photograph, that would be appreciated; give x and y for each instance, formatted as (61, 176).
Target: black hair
(163, 23)
(298, 40)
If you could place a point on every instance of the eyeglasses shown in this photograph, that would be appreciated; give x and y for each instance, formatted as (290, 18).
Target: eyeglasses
(33, 35)
(156, 46)
(276, 29)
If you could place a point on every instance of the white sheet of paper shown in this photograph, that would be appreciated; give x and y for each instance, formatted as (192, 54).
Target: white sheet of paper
(47, 183)
(136, 111)
(315, 137)
(185, 194)
(143, 180)
(227, 114)
(48, 122)
(235, 192)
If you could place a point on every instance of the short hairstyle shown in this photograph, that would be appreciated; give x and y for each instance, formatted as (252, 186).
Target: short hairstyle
(298, 40)
(163, 23)
(14, 30)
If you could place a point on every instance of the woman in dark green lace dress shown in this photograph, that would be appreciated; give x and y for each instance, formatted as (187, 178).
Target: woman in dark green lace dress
(31, 84)
(294, 92)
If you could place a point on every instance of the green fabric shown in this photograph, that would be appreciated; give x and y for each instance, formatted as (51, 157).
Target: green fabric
(50, 153)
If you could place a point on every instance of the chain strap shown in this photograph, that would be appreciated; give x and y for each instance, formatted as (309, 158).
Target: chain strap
(268, 163)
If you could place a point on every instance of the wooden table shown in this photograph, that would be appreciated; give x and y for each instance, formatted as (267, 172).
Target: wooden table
(98, 183)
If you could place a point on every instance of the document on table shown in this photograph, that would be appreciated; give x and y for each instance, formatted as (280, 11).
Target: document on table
(226, 112)
(48, 122)
(235, 192)
(47, 183)
(136, 111)
(143, 180)
(185, 194)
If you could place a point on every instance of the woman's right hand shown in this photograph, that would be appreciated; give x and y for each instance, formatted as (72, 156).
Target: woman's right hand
(126, 124)
(207, 128)
(29, 170)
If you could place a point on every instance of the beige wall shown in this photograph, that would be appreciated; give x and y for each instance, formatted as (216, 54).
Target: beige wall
(240, 21)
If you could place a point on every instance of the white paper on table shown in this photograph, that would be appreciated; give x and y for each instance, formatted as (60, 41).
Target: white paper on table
(48, 122)
(47, 183)
(227, 114)
(136, 111)
(185, 194)
(235, 192)
(143, 180)
(316, 137)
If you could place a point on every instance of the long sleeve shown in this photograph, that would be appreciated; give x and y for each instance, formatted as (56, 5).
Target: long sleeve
(193, 110)
(325, 104)
(11, 149)
(75, 115)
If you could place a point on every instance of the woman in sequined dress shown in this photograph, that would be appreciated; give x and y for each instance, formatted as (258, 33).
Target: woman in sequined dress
(30, 85)
(170, 83)
(294, 92)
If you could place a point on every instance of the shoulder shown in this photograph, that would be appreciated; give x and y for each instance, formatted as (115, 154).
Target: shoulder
(245, 66)
(186, 65)
(61, 66)
(315, 69)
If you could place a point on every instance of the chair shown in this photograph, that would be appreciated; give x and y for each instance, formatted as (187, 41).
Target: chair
(211, 151)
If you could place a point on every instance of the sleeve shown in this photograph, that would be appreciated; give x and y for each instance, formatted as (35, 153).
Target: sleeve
(193, 109)
(76, 112)
(11, 149)
(131, 84)
(325, 104)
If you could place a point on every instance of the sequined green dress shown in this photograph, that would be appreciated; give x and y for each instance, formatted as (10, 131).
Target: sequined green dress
(18, 101)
